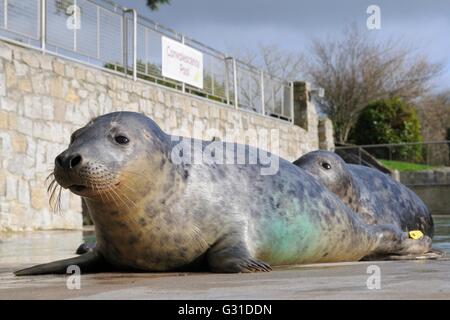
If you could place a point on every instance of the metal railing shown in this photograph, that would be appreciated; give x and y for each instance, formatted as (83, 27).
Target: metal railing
(104, 35)
(430, 153)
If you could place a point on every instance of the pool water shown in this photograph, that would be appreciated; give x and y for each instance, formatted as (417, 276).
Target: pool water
(441, 239)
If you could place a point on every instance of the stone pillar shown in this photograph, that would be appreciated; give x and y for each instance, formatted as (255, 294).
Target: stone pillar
(301, 101)
(326, 138)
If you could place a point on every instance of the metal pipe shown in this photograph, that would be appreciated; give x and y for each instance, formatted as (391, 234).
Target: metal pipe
(183, 85)
(125, 41)
(98, 32)
(43, 30)
(292, 102)
(235, 84)
(147, 60)
(135, 17)
(75, 26)
(5, 14)
(394, 144)
(263, 109)
(227, 80)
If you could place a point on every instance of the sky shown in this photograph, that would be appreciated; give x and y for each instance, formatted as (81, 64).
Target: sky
(234, 25)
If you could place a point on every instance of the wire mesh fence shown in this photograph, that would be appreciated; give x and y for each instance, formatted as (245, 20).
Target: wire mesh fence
(104, 35)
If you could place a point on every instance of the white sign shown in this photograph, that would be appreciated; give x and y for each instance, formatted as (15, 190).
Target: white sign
(182, 63)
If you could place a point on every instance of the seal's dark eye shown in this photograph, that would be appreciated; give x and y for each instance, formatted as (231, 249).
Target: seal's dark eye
(121, 140)
(326, 165)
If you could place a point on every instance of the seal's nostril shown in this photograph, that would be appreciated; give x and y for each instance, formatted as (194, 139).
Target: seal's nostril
(66, 161)
(75, 161)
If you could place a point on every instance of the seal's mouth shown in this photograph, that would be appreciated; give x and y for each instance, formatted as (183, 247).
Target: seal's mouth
(77, 188)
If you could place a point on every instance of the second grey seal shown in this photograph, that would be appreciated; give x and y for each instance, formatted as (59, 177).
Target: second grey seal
(377, 197)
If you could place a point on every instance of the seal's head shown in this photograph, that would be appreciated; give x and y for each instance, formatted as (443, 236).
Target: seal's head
(108, 149)
(329, 169)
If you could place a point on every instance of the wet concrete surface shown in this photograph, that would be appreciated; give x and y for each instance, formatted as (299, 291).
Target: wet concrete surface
(420, 279)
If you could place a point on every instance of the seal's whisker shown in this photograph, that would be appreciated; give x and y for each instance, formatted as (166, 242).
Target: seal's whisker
(51, 198)
(133, 204)
(55, 198)
(132, 172)
(52, 184)
(120, 198)
(51, 175)
(128, 187)
(112, 196)
(58, 201)
(124, 195)
(95, 187)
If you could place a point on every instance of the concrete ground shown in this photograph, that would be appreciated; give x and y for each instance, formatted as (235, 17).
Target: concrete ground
(398, 279)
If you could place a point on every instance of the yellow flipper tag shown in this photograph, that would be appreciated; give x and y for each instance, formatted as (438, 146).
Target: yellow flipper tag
(415, 234)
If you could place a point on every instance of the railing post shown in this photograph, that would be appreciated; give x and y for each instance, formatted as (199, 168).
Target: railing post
(75, 26)
(227, 80)
(5, 14)
(43, 24)
(236, 101)
(98, 32)
(292, 102)
(125, 42)
(135, 17)
(183, 85)
(263, 109)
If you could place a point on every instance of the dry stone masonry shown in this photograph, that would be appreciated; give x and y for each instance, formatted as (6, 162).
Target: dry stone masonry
(44, 98)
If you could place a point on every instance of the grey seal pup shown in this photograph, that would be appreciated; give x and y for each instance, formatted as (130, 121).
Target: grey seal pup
(377, 197)
(152, 213)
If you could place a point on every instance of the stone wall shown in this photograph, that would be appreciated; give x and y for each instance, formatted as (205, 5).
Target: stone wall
(44, 98)
(432, 186)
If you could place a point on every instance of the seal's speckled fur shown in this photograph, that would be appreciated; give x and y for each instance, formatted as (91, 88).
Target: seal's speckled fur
(374, 195)
(152, 214)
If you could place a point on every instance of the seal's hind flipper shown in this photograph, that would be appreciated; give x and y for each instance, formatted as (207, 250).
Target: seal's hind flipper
(431, 255)
(88, 263)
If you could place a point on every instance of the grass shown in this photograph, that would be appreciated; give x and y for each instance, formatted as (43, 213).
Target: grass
(404, 166)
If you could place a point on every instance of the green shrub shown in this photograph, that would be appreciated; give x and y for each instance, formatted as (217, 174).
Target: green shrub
(389, 121)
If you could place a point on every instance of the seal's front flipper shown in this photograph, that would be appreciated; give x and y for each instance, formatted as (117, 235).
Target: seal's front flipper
(88, 263)
(234, 259)
(85, 248)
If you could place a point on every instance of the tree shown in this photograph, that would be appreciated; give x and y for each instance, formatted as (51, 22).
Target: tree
(275, 61)
(389, 121)
(278, 65)
(154, 4)
(434, 114)
(354, 71)
(62, 5)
